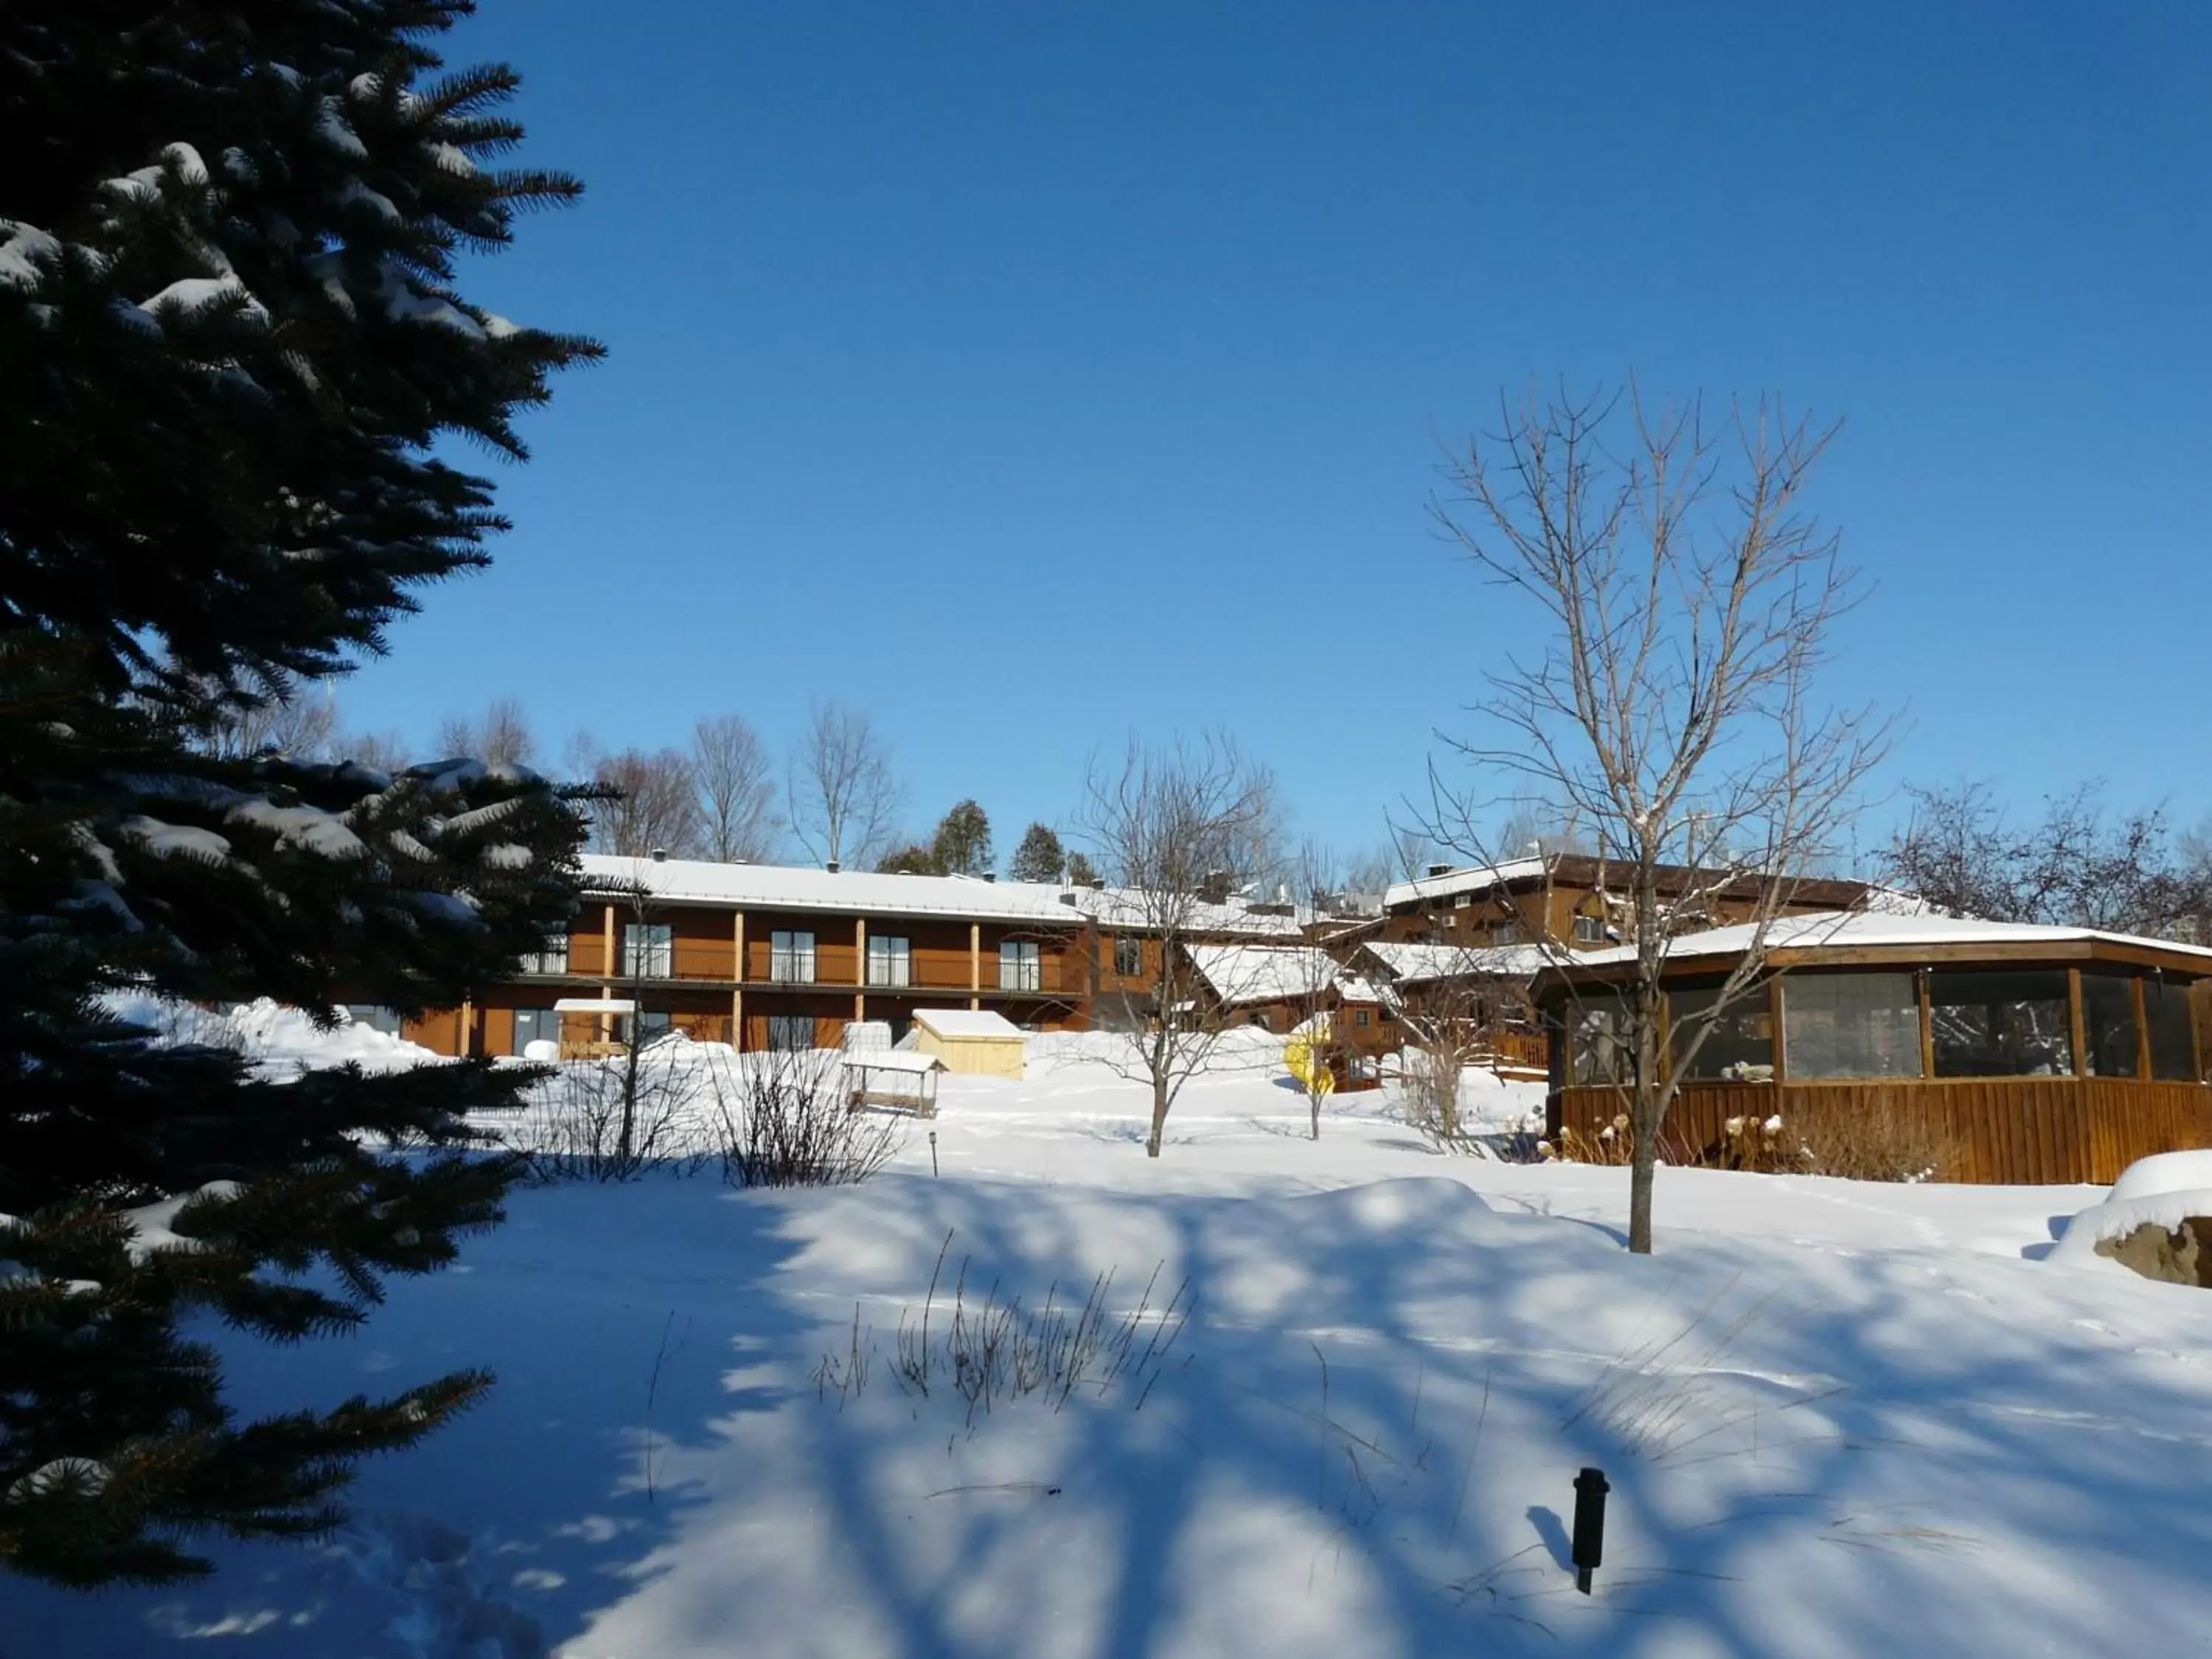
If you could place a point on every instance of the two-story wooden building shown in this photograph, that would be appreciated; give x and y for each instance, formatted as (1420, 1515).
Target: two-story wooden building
(773, 956)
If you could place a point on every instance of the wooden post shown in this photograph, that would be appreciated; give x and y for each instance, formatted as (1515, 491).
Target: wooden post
(2142, 1029)
(975, 964)
(738, 994)
(468, 1027)
(607, 967)
(860, 966)
(1927, 1027)
(1774, 1011)
(2080, 1023)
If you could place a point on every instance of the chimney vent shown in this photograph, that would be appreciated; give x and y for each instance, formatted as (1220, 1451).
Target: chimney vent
(1436, 870)
(661, 855)
(830, 864)
(990, 875)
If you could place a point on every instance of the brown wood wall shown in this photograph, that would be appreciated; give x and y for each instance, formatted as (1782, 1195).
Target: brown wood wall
(2021, 1131)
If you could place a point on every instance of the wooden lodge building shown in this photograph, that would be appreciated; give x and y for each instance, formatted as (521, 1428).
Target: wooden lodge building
(773, 955)
(1564, 899)
(2023, 1054)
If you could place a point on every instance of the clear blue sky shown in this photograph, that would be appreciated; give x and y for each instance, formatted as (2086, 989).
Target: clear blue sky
(1027, 374)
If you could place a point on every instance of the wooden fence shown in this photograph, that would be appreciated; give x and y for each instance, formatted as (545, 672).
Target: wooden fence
(2021, 1131)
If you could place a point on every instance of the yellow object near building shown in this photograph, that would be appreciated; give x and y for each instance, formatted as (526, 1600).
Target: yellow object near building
(1302, 1055)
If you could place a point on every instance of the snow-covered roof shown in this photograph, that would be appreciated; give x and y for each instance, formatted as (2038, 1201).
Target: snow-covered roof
(802, 887)
(1129, 907)
(892, 1060)
(1836, 928)
(1412, 964)
(1240, 974)
(967, 1022)
(1468, 879)
(595, 1006)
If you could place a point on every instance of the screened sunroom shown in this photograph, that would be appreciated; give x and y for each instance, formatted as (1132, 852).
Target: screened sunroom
(2036, 1054)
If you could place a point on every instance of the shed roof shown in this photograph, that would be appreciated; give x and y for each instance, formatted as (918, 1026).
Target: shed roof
(1581, 870)
(967, 1022)
(892, 1060)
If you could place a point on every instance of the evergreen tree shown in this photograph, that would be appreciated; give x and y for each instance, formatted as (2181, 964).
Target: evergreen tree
(911, 860)
(961, 846)
(230, 335)
(1081, 872)
(1039, 857)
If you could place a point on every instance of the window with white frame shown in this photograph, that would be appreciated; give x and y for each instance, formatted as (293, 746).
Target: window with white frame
(791, 958)
(1129, 957)
(1589, 930)
(649, 950)
(1020, 968)
(890, 960)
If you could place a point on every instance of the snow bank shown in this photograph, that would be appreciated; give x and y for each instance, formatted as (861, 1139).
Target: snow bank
(281, 1042)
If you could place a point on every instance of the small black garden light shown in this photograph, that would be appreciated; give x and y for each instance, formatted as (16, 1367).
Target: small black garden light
(1590, 1488)
(933, 1152)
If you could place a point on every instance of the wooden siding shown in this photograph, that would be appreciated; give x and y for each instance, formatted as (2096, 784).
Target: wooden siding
(2025, 1131)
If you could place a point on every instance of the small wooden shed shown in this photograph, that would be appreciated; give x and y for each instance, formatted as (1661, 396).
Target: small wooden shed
(974, 1041)
(892, 1079)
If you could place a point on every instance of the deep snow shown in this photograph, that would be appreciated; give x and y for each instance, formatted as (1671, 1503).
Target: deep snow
(1839, 1419)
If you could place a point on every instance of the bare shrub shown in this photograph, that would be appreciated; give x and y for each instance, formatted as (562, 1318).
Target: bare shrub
(1683, 1398)
(784, 1122)
(1861, 1138)
(998, 1351)
(1429, 1086)
(1613, 1146)
(613, 1119)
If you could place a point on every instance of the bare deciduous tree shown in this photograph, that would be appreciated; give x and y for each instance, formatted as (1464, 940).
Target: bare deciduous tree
(300, 722)
(1671, 716)
(500, 736)
(1962, 853)
(1164, 823)
(844, 795)
(651, 804)
(737, 790)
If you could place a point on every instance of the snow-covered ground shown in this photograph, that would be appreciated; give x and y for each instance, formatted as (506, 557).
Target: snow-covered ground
(1840, 1419)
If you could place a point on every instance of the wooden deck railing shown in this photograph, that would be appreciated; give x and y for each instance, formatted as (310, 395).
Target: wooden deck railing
(2026, 1131)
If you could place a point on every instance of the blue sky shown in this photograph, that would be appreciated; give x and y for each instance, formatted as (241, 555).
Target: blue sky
(1028, 375)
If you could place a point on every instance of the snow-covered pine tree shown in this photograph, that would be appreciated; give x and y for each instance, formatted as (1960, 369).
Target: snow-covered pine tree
(1040, 856)
(229, 336)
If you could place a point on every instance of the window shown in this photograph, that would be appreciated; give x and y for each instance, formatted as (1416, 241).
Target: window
(2172, 1024)
(787, 1033)
(1598, 1049)
(376, 1017)
(1129, 957)
(535, 1025)
(1359, 1018)
(2108, 1023)
(649, 950)
(1461, 901)
(1019, 967)
(651, 1023)
(2000, 1024)
(791, 960)
(891, 961)
(1589, 930)
(1850, 1025)
(1738, 1043)
(1507, 932)
(551, 957)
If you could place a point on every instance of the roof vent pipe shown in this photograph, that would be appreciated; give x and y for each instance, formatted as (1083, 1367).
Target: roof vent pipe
(661, 855)
(830, 864)
(990, 875)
